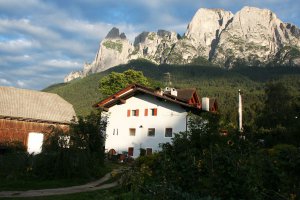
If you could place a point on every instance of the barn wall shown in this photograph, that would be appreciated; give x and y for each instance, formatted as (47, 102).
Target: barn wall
(14, 130)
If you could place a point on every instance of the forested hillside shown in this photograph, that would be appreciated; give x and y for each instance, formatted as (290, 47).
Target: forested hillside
(209, 80)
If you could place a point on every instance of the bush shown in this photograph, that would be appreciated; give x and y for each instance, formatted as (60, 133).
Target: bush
(202, 164)
(78, 153)
(15, 162)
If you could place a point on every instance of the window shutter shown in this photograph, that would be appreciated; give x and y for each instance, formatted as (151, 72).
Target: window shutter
(128, 113)
(137, 112)
(146, 112)
(155, 112)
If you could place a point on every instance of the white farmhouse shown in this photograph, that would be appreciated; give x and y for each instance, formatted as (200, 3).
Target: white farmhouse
(140, 117)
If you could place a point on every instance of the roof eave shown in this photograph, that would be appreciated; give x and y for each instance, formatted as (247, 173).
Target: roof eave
(35, 120)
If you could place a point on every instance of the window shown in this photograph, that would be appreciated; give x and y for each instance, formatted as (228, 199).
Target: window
(146, 112)
(130, 151)
(153, 111)
(135, 112)
(151, 132)
(168, 132)
(149, 151)
(35, 143)
(115, 131)
(132, 131)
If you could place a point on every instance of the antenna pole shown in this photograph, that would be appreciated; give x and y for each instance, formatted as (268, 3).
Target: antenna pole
(168, 82)
(240, 113)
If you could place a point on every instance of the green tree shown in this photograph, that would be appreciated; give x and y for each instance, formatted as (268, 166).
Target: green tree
(279, 119)
(116, 81)
(278, 106)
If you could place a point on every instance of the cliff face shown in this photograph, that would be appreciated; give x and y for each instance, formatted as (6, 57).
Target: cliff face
(205, 28)
(253, 36)
(113, 50)
(154, 46)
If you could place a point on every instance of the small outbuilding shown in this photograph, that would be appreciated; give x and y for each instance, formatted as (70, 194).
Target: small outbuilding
(26, 116)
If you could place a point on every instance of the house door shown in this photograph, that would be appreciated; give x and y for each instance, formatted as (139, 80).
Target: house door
(35, 142)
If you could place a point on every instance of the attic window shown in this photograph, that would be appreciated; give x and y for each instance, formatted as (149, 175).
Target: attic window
(135, 112)
(153, 111)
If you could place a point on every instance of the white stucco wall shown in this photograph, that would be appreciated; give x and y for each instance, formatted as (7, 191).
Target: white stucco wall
(169, 115)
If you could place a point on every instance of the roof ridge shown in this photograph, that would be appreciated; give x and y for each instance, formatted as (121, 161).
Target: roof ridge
(24, 89)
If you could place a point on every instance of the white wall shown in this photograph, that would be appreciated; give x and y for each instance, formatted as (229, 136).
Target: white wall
(169, 115)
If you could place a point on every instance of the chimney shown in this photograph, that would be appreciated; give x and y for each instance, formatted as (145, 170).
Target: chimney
(158, 91)
(167, 89)
(205, 103)
(173, 92)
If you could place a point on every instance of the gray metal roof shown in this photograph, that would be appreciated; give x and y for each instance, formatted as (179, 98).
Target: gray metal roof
(30, 104)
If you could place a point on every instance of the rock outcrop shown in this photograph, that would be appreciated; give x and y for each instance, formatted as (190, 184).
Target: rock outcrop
(73, 75)
(205, 28)
(154, 46)
(253, 37)
(113, 50)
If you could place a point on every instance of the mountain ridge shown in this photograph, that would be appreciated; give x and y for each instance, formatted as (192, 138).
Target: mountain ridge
(252, 37)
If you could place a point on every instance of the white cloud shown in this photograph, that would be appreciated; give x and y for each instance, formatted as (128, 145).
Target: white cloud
(17, 45)
(61, 63)
(16, 4)
(25, 26)
(7, 59)
(4, 81)
(21, 83)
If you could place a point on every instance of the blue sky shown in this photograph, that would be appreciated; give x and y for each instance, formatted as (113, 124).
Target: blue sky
(42, 41)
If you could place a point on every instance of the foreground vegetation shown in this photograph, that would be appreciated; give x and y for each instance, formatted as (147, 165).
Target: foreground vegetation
(66, 159)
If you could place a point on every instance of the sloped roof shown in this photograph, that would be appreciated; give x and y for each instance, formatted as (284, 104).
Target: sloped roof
(183, 97)
(34, 105)
(182, 94)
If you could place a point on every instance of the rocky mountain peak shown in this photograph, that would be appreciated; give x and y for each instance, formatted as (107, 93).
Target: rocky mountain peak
(114, 33)
(253, 37)
(206, 27)
(140, 38)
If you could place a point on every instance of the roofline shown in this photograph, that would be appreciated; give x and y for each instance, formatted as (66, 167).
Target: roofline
(34, 120)
(113, 99)
(112, 96)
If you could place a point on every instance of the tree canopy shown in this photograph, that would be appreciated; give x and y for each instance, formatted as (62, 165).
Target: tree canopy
(114, 82)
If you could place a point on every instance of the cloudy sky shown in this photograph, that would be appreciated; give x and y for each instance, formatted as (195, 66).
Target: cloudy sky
(42, 41)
